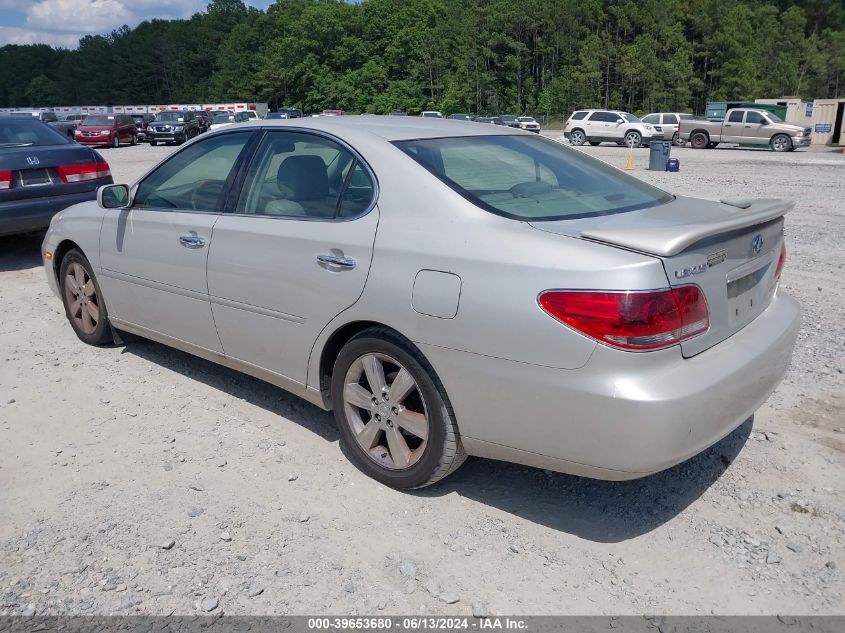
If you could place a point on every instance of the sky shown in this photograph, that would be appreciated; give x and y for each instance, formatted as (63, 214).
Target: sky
(63, 22)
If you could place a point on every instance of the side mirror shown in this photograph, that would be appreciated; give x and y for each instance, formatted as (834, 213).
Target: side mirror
(620, 120)
(113, 196)
(764, 122)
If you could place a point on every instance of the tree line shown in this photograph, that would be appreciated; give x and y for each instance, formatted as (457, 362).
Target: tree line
(480, 56)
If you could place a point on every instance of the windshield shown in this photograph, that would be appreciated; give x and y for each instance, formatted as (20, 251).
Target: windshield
(527, 119)
(531, 178)
(171, 117)
(222, 118)
(108, 121)
(29, 133)
(630, 118)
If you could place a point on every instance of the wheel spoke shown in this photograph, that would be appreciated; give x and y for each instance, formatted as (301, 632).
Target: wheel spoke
(369, 435)
(93, 310)
(76, 309)
(89, 288)
(70, 281)
(399, 450)
(358, 396)
(401, 387)
(413, 422)
(375, 373)
(87, 322)
(79, 274)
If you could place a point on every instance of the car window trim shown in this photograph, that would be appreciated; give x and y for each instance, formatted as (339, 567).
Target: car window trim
(356, 158)
(226, 185)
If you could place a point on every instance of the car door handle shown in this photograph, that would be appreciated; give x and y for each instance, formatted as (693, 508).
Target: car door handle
(337, 260)
(192, 240)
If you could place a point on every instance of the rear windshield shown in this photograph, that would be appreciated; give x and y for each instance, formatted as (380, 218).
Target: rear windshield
(98, 120)
(28, 133)
(531, 178)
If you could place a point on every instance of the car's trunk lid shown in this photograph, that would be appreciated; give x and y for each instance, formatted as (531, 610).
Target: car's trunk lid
(729, 249)
(34, 170)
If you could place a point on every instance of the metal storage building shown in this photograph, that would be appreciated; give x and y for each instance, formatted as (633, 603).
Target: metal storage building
(828, 127)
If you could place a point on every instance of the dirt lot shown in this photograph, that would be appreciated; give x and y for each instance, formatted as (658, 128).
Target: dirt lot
(141, 479)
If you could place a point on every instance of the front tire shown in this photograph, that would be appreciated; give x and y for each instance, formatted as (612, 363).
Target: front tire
(115, 143)
(677, 141)
(134, 140)
(83, 300)
(394, 419)
(781, 143)
(153, 142)
(633, 139)
(577, 137)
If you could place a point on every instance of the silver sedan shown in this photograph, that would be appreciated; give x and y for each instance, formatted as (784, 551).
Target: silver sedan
(446, 288)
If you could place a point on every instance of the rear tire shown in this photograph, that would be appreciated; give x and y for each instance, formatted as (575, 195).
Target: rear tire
(410, 404)
(595, 143)
(699, 140)
(83, 300)
(781, 143)
(577, 137)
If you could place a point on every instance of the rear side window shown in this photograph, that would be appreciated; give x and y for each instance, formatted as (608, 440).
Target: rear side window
(301, 175)
(736, 116)
(577, 116)
(28, 133)
(531, 179)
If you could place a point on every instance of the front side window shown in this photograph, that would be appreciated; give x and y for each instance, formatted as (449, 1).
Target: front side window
(604, 117)
(531, 179)
(195, 178)
(301, 175)
(754, 117)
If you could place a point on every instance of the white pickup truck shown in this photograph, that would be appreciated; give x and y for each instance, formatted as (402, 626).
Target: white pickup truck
(747, 126)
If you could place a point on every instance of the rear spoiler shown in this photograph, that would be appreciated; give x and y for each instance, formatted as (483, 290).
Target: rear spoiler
(671, 240)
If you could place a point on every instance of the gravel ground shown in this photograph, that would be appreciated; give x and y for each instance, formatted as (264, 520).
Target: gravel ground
(140, 479)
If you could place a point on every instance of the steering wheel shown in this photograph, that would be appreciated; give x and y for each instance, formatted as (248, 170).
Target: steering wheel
(203, 192)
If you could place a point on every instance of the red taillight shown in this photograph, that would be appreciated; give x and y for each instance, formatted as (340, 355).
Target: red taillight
(85, 171)
(778, 270)
(5, 179)
(632, 320)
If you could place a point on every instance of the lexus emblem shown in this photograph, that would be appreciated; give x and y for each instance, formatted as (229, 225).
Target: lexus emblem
(757, 244)
(32, 160)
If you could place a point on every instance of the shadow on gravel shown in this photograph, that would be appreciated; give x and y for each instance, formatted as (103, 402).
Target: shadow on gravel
(238, 385)
(20, 252)
(601, 511)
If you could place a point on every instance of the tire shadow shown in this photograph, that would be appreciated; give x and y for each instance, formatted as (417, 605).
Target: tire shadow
(20, 252)
(600, 511)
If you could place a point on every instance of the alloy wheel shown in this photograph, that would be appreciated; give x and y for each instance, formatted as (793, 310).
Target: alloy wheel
(385, 411)
(81, 297)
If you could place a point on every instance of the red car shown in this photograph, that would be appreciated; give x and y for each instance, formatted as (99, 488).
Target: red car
(107, 129)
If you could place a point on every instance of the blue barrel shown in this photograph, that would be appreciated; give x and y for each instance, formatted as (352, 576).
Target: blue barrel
(658, 155)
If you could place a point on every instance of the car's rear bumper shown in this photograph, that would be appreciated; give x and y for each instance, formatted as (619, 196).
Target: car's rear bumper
(33, 214)
(624, 414)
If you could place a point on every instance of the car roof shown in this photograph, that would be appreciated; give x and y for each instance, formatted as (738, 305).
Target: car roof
(388, 128)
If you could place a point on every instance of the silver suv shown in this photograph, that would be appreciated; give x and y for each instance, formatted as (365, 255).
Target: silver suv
(669, 122)
(597, 126)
